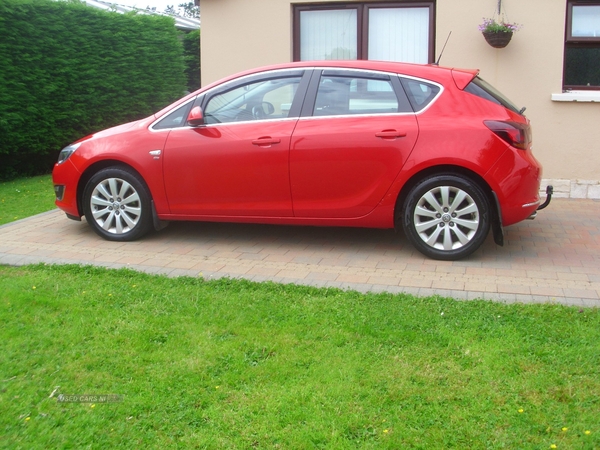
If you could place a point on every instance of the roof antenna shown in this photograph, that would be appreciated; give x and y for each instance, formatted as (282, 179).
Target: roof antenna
(437, 63)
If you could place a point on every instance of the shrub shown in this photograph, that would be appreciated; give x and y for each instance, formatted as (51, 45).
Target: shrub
(69, 70)
(191, 50)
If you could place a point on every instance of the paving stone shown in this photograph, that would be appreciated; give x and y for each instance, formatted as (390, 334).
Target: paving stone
(553, 259)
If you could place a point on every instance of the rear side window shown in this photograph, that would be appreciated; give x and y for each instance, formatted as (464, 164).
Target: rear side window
(419, 92)
(342, 95)
(483, 89)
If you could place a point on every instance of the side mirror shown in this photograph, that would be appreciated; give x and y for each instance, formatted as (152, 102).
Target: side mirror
(195, 117)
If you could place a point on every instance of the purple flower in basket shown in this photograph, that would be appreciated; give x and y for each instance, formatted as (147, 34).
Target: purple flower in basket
(491, 26)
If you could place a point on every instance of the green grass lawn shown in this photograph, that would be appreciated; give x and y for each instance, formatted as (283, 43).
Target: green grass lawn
(238, 365)
(25, 197)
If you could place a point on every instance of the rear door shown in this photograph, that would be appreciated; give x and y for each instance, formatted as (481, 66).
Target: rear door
(356, 132)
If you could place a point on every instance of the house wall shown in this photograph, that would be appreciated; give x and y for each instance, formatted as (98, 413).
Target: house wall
(242, 34)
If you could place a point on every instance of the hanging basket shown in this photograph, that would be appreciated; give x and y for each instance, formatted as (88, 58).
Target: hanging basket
(498, 39)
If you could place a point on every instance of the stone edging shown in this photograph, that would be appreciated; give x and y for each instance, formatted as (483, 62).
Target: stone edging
(589, 189)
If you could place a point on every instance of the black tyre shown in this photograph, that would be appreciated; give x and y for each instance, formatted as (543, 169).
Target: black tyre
(116, 204)
(446, 217)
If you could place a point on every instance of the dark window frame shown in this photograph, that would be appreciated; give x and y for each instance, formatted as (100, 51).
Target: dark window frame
(577, 42)
(362, 19)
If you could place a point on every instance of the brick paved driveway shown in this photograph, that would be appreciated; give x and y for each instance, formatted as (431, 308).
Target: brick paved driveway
(554, 258)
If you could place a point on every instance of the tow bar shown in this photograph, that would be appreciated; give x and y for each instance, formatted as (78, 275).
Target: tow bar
(549, 192)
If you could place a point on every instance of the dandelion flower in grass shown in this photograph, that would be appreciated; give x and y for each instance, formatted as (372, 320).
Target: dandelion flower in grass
(33, 287)
(564, 429)
(520, 410)
(553, 446)
(386, 431)
(588, 432)
(27, 419)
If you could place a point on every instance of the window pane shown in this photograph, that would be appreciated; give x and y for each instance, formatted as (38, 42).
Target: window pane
(586, 21)
(175, 119)
(268, 99)
(399, 34)
(420, 94)
(582, 66)
(342, 96)
(328, 34)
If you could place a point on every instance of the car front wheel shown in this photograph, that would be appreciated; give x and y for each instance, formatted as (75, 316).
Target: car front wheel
(117, 204)
(446, 217)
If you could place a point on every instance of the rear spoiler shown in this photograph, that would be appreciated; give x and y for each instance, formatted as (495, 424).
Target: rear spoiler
(463, 77)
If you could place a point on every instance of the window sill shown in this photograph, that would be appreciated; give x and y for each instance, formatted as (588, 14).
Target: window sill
(577, 96)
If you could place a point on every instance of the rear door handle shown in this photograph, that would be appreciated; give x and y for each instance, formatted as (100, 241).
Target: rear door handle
(266, 141)
(390, 134)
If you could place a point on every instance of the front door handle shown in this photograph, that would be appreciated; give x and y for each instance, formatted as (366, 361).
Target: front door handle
(266, 141)
(390, 134)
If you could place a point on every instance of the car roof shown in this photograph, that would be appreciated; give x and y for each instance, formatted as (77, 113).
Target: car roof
(428, 71)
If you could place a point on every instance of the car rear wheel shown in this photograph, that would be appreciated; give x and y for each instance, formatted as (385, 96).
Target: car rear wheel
(446, 217)
(117, 204)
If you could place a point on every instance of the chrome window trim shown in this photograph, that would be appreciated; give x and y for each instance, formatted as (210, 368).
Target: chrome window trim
(357, 115)
(275, 71)
(242, 122)
(256, 74)
(353, 69)
(211, 90)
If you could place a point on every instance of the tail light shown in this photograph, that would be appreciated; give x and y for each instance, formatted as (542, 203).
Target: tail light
(513, 133)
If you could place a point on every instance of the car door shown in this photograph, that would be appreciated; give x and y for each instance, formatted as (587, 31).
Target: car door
(237, 164)
(350, 144)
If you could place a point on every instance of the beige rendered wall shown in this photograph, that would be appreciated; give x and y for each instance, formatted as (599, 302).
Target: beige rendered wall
(242, 34)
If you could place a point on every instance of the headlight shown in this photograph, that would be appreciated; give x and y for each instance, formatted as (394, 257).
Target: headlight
(66, 152)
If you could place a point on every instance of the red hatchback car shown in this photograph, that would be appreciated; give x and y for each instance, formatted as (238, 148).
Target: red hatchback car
(435, 151)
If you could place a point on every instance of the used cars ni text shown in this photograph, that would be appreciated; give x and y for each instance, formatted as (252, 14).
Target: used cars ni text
(435, 151)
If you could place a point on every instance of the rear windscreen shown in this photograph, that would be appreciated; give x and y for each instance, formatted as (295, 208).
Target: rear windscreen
(483, 89)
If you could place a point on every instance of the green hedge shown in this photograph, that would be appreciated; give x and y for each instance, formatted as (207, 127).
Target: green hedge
(68, 70)
(191, 51)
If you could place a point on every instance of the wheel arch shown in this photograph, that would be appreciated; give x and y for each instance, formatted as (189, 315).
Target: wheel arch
(495, 211)
(98, 166)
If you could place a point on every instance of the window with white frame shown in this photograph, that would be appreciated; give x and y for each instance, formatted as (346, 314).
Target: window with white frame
(582, 46)
(401, 31)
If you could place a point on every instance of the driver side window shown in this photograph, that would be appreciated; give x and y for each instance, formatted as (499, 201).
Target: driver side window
(258, 100)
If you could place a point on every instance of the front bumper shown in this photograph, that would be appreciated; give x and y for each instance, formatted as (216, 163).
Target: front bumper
(65, 178)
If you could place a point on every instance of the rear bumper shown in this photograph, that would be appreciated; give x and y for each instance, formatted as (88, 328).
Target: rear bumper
(516, 179)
